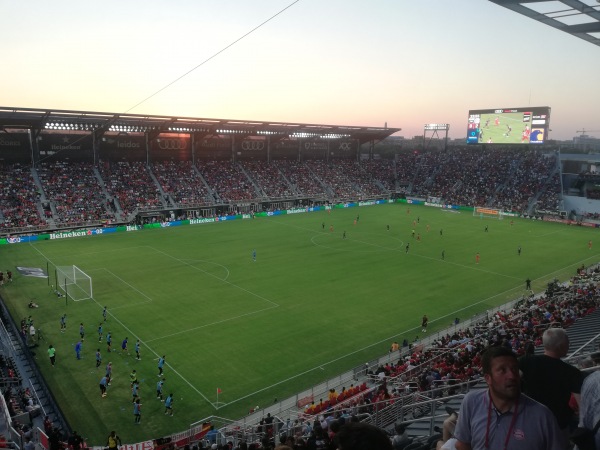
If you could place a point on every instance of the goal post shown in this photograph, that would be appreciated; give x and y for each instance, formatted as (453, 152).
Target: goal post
(74, 282)
(484, 212)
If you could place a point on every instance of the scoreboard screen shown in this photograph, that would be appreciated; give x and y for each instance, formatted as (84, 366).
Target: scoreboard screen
(528, 125)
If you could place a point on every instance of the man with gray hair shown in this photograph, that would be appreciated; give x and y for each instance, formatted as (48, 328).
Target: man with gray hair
(551, 381)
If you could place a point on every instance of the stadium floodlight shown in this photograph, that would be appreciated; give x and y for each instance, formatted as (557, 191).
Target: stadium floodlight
(437, 126)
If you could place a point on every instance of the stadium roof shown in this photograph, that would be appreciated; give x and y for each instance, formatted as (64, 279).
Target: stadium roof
(101, 122)
(580, 18)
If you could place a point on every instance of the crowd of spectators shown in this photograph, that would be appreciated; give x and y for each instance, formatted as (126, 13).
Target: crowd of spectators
(549, 200)
(269, 179)
(501, 178)
(182, 182)
(509, 179)
(527, 179)
(131, 184)
(228, 181)
(75, 192)
(335, 178)
(19, 197)
(302, 179)
(381, 170)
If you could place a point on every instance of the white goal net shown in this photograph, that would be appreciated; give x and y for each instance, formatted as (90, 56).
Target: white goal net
(74, 282)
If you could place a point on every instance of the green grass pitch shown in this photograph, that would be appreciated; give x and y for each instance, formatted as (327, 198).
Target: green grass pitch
(312, 305)
(500, 134)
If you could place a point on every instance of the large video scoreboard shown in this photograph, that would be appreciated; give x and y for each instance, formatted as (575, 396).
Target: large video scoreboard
(528, 125)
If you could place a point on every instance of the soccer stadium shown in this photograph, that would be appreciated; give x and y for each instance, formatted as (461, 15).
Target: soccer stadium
(197, 283)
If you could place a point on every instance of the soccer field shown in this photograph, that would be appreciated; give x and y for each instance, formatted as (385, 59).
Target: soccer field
(313, 304)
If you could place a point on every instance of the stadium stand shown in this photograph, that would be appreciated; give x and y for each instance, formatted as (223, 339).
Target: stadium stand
(73, 194)
(413, 385)
(130, 183)
(183, 183)
(409, 386)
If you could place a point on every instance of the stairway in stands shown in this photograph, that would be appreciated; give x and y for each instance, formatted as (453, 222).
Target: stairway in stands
(24, 357)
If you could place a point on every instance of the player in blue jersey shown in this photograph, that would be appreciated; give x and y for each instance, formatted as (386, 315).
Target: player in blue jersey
(161, 363)
(135, 389)
(137, 411)
(159, 386)
(169, 405)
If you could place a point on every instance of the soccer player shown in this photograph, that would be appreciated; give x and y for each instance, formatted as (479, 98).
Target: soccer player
(477, 258)
(63, 323)
(103, 384)
(104, 314)
(486, 229)
(254, 255)
(443, 255)
(441, 232)
(323, 226)
(135, 388)
(519, 250)
(137, 350)
(108, 341)
(78, 347)
(161, 363)
(124, 345)
(137, 411)
(159, 386)
(424, 323)
(9, 275)
(100, 332)
(528, 284)
(81, 331)
(108, 373)
(98, 358)
(407, 246)
(344, 235)
(169, 405)
(52, 354)
(590, 244)
(133, 378)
